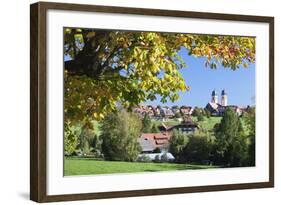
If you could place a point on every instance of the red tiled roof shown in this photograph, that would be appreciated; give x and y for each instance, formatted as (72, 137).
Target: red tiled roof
(161, 142)
(158, 137)
(155, 135)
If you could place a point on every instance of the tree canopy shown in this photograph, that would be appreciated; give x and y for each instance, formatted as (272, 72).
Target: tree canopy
(231, 141)
(107, 68)
(146, 124)
(120, 133)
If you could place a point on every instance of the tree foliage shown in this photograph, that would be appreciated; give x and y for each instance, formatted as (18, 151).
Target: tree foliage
(146, 124)
(154, 128)
(178, 142)
(178, 115)
(70, 140)
(188, 148)
(110, 67)
(120, 133)
(89, 142)
(198, 148)
(231, 142)
(250, 119)
(196, 112)
(207, 113)
(200, 117)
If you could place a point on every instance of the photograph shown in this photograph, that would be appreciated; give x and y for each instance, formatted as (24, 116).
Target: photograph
(128, 101)
(147, 101)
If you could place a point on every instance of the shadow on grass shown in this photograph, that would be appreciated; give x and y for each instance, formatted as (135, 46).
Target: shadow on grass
(84, 158)
(152, 170)
(182, 166)
(187, 166)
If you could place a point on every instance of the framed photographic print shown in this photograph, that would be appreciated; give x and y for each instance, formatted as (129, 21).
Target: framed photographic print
(135, 102)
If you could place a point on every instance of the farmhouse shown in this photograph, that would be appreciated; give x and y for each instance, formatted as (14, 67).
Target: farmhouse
(187, 126)
(150, 141)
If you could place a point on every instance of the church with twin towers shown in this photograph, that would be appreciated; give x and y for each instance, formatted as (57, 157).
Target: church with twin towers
(217, 107)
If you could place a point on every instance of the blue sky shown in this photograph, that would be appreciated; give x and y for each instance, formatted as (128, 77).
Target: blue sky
(239, 84)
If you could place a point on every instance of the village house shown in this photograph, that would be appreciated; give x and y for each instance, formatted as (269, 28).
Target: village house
(150, 142)
(144, 109)
(186, 110)
(164, 113)
(175, 109)
(167, 112)
(156, 111)
(187, 126)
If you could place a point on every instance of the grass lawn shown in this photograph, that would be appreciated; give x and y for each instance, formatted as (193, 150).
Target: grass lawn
(169, 122)
(86, 166)
(208, 123)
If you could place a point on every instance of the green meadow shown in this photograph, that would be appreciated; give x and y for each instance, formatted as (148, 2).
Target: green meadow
(89, 166)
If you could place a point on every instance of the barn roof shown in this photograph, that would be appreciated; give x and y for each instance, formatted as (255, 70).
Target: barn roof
(150, 141)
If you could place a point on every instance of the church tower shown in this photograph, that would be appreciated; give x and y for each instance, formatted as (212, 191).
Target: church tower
(223, 98)
(214, 97)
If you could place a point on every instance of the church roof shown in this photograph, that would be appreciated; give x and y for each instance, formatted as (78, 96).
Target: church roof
(223, 92)
(214, 105)
(214, 93)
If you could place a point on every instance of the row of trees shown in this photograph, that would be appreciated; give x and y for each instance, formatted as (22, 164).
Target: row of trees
(148, 125)
(200, 113)
(118, 139)
(232, 144)
(81, 140)
(118, 130)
